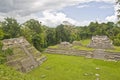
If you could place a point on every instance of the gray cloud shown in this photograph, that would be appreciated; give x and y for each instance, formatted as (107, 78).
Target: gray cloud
(26, 7)
(23, 10)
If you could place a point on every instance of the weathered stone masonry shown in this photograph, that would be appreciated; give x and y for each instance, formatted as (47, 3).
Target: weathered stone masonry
(25, 56)
(101, 42)
(97, 54)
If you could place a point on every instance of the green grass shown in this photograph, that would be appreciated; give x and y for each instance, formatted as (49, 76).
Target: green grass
(84, 45)
(8, 73)
(83, 48)
(62, 67)
(85, 42)
(116, 49)
(54, 47)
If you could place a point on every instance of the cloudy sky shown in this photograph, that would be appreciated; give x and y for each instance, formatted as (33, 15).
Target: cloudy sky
(54, 12)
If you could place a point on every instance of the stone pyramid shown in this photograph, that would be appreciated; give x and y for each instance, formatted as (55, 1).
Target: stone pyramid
(101, 42)
(25, 57)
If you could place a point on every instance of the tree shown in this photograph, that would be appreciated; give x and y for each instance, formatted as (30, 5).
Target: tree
(34, 33)
(34, 25)
(50, 36)
(11, 28)
(1, 34)
(118, 9)
(65, 33)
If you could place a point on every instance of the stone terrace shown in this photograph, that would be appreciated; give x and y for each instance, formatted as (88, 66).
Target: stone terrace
(25, 56)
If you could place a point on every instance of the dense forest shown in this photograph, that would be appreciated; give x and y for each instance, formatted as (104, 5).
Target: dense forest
(42, 36)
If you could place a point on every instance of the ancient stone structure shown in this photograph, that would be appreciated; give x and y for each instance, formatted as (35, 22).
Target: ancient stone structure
(96, 54)
(25, 56)
(76, 43)
(101, 42)
(64, 45)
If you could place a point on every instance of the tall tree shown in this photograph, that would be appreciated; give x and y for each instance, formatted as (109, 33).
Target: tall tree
(118, 8)
(11, 28)
(65, 33)
(33, 31)
(50, 36)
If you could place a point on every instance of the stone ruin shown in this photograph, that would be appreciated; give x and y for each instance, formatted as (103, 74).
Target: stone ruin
(101, 42)
(64, 45)
(76, 43)
(25, 57)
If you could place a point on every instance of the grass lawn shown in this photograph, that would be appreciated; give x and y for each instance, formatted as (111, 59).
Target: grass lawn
(62, 67)
(82, 48)
(85, 42)
(116, 49)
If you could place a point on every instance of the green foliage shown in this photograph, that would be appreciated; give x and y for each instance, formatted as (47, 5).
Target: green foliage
(8, 52)
(33, 31)
(42, 36)
(116, 42)
(38, 41)
(1, 45)
(34, 26)
(4, 53)
(50, 36)
(65, 33)
(11, 28)
(1, 34)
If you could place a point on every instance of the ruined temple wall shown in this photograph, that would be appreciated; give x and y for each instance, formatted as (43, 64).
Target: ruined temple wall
(67, 52)
(96, 54)
(101, 42)
(8, 43)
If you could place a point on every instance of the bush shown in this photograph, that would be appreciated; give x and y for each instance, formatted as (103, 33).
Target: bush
(116, 42)
(4, 53)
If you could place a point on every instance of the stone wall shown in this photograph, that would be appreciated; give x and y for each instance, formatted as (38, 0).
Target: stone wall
(76, 43)
(25, 57)
(96, 54)
(67, 52)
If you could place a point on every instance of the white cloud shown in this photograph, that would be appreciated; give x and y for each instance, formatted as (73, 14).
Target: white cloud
(83, 6)
(112, 18)
(23, 10)
(53, 19)
(26, 7)
(105, 7)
